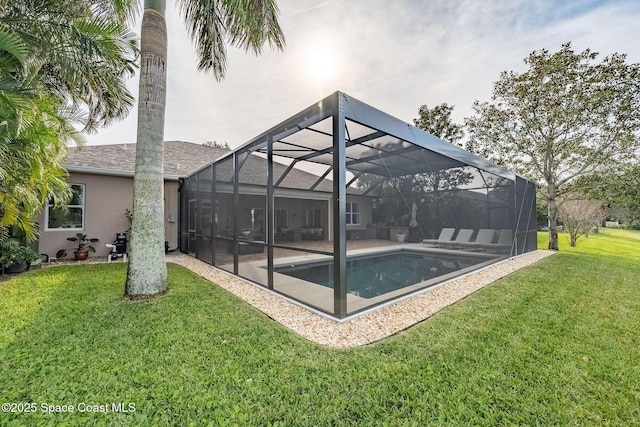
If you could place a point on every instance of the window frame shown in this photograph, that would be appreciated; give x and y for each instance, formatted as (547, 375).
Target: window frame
(285, 214)
(351, 213)
(256, 214)
(312, 218)
(82, 207)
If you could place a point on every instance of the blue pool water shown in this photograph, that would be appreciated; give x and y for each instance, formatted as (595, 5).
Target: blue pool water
(373, 275)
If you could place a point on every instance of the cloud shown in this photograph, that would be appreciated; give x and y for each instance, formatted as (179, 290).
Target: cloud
(395, 56)
(307, 9)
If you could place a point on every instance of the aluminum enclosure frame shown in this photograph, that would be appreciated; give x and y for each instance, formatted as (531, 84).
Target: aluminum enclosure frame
(330, 120)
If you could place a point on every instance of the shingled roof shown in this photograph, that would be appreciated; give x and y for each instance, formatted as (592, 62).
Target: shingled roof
(254, 171)
(180, 158)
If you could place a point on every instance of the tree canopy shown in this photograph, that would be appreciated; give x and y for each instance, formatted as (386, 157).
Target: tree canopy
(62, 67)
(565, 117)
(396, 194)
(580, 215)
(437, 121)
(619, 190)
(76, 51)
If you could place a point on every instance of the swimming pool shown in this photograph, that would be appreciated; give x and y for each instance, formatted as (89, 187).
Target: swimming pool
(369, 276)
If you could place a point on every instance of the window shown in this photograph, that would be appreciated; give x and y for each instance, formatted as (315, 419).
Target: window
(311, 218)
(353, 213)
(69, 217)
(257, 219)
(206, 216)
(281, 219)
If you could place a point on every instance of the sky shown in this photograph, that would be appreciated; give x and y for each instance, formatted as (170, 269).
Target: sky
(393, 55)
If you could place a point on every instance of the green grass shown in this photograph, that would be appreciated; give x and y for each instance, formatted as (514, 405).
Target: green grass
(557, 343)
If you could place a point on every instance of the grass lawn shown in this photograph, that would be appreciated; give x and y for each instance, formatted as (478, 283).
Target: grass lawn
(557, 343)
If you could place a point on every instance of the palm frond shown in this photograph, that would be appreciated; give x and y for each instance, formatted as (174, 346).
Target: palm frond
(4, 233)
(80, 53)
(252, 23)
(12, 48)
(247, 24)
(124, 11)
(62, 65)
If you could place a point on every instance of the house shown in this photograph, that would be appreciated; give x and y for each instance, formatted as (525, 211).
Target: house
(302, 204)
(101, 179)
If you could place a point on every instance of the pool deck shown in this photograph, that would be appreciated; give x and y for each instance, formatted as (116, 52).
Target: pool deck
(321, 297)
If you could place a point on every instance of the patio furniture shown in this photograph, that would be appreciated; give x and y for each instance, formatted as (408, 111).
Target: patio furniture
(485, 237)
(446, 235)
(247, 244)
(289, 236)
(505, 240)
(463, 237)
(313, 233)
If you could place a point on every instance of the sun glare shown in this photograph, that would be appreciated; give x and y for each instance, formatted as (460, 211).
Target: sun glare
(321, 64)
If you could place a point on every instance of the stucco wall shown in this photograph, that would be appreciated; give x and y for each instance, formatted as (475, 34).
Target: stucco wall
(366, 209)
(296, 208)
(171, 200)
(106, 198)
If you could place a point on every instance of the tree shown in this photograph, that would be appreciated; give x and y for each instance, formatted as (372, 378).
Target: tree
(437, 121)
(78, 51)
(619, 189)
(211, 24)
(563, 118)
(62, 65)
(579, 216)
(31, 170)
(436, 185)
(396, 194)
(215, 144)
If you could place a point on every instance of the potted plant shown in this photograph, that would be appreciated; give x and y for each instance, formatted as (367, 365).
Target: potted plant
(16, 258)
(83, 246)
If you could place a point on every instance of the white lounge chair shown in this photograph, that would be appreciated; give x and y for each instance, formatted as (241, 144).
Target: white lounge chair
(446, 235)
(505, 240)
(484, 238)
(463, 236)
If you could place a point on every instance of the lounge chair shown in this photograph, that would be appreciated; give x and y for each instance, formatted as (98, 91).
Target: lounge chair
(505, 240)
(446, 235)
(464, 235)
(484, 238)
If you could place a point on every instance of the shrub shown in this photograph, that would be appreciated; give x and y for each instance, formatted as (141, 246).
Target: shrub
(13, 253)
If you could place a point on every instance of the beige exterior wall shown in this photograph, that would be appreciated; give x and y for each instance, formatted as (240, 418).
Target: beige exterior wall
(296, 211)
(171, 209)
(296, 208)
(106, 198)
(366, 212)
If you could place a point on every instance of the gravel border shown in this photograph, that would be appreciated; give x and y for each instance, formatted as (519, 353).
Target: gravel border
(365, 328)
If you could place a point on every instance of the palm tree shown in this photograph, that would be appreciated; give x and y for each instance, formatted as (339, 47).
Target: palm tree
(62, 66)
(211, 24)
(78, 51)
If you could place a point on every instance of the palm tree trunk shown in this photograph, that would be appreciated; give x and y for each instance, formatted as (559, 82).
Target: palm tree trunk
(147, 270)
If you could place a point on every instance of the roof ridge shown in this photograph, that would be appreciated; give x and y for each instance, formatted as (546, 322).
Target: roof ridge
(180, 159)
